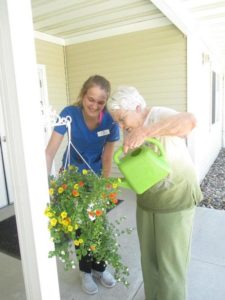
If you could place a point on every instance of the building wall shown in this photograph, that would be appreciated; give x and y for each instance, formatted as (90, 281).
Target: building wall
(154, 61)
(52, 56)
(206, 140)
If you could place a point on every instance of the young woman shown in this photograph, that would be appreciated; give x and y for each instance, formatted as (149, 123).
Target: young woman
(165, 212)
(93, 133)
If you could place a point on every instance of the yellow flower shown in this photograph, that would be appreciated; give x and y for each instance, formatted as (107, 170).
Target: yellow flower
(49, 214)
(53, 221)
(76, 186)
(65, 222)
(84, 171)
(70, 228)
(47, 211)
(60, 190)
(115, 185)
(76, 242)
(76, 226)
(64, 214)
(51, 191)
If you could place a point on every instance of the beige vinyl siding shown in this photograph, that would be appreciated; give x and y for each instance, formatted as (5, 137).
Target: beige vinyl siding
(52, 56)
(152, 60)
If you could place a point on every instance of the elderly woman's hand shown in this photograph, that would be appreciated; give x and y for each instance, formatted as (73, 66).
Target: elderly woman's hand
(134, 139)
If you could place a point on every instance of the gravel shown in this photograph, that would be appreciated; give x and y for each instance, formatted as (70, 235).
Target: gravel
(213, 185)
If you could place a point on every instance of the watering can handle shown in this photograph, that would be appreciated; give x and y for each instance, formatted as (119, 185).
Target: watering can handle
(151, 140)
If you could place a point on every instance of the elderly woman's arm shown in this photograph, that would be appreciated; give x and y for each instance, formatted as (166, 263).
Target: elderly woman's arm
(180, 125)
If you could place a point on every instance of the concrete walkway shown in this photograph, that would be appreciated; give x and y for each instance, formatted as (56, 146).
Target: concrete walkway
(206, 278)
(207, 268)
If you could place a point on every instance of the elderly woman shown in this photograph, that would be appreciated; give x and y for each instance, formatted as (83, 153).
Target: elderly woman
(165, 212)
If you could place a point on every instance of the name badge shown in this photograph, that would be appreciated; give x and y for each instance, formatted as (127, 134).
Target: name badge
(103, 132)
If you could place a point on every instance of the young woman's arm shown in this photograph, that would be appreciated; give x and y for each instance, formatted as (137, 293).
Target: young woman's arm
(107, 157)
(52, 147)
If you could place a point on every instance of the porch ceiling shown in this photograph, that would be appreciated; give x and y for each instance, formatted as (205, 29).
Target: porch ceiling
(81, 20)
(75, 21)
(209, 18)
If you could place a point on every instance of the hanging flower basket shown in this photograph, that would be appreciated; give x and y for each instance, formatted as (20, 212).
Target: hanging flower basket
(81, 201)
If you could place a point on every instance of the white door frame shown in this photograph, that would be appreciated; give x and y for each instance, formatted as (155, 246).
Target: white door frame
(6, 186)
(46, 110)
(20, 105)
(4, 200)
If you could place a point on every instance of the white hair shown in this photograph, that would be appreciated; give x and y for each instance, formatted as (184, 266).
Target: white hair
(126, 97)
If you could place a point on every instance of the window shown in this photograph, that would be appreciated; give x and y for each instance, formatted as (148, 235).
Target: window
(215, 97)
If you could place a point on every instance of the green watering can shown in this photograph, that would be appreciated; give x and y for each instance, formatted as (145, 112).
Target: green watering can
(143, 167)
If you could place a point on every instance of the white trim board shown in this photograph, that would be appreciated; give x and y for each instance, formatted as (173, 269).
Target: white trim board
(48, 38)
(161, 22)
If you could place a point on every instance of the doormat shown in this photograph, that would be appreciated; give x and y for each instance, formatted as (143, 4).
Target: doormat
(9, 243)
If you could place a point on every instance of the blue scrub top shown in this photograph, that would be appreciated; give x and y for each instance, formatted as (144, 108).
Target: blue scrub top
(90, 143)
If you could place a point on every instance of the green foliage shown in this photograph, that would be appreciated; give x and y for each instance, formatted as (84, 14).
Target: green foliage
(77, 215)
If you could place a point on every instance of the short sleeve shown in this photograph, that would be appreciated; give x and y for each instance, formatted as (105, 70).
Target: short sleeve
(158, 113)
(62, 129)
(114, 133)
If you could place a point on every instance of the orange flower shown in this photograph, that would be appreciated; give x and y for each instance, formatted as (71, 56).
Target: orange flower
(75, 193)
(91, 214)
(108, 186)
(98, 212)
(92, 247)
(81, 183)
(112, 195)
(64, 186)
(114, 200)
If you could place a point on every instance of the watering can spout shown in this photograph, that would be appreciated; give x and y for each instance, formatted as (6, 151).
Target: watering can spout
(123, 183)
(143, 167)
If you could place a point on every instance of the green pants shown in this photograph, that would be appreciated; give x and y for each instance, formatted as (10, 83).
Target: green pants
(165, 242)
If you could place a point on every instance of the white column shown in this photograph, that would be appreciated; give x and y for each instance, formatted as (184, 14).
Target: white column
(25, 144)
